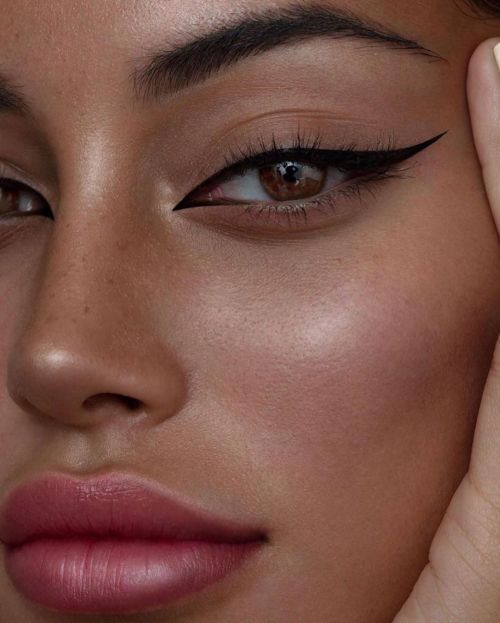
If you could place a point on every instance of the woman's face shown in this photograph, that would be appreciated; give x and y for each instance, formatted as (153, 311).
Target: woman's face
(314, 367)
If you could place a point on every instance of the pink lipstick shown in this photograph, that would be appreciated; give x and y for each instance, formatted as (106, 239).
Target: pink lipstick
(115, 544)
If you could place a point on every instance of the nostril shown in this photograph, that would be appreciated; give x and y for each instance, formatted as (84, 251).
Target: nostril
(94, 402)
(132, 403)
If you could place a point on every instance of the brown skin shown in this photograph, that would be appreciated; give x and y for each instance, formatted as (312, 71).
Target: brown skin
(321, 384)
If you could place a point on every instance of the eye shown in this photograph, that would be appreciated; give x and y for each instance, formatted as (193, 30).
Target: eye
(18, 199)
(289, 180)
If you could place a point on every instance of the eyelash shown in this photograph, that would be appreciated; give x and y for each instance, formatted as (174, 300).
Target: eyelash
(377, 164)
(266, 152)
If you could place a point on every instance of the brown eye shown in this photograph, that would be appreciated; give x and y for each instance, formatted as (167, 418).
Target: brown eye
(286, 181)
(17, 198)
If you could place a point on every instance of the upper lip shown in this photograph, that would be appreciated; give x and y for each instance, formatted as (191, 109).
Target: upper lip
(112, 505)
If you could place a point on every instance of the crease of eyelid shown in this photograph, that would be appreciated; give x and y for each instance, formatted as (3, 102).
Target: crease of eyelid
(295, 115)
(281, 118)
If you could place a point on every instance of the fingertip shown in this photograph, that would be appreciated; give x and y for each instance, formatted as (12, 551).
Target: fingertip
(484, 73)
(486, 53)
(496, 53)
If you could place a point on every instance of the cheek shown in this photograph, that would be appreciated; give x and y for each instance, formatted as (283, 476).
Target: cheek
(335, 376)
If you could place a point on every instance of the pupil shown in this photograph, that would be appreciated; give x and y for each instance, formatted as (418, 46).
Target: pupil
(289, 172)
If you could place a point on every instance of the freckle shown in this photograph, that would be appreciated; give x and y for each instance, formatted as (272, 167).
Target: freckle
(87, 309)
(110, 281)
(121, 246)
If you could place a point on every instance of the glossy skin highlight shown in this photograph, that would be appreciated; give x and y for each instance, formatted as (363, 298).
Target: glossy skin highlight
(324, 385)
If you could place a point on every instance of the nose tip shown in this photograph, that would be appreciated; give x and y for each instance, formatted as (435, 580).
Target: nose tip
(87, 386)
(98, 339)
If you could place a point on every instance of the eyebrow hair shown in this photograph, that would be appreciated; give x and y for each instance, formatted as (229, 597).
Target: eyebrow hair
(11, 97)
(172, 70)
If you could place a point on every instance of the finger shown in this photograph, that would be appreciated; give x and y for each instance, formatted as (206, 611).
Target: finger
(461, 582)
(483, 87)
(484, 97)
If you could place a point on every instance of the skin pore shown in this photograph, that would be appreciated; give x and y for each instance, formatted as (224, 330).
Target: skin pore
(320, 377)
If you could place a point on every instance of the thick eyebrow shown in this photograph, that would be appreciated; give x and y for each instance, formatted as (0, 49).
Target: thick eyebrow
(171, 70)
(11, 97)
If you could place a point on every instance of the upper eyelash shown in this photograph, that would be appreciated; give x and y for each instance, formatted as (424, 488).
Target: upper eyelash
(14, 184)
(347, 157)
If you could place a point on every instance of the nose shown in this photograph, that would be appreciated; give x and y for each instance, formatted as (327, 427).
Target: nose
(89, 349)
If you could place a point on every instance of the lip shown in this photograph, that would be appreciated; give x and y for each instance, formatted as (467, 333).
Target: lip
(115, 544)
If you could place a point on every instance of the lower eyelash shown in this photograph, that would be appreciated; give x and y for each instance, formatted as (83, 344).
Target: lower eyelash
(299, 211)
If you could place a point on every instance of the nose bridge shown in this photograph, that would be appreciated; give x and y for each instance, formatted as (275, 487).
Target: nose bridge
(92, 262)
(87, 351)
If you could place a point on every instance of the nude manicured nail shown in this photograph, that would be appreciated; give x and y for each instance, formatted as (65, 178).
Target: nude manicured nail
(496, 52)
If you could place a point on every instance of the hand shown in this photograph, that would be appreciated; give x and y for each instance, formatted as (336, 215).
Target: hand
(461, 582)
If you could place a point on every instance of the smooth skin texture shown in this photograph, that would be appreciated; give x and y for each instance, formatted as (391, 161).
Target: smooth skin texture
(324, 384)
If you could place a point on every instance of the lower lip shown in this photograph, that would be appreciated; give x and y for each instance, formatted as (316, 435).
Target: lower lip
(118, 576)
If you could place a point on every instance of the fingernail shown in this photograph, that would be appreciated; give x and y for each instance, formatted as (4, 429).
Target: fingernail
(496, 52)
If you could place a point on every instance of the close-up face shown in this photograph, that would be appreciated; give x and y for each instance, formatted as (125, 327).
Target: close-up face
(247, 258)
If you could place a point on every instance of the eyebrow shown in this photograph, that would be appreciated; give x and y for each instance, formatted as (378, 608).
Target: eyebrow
(11, 97)
(172, 70)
